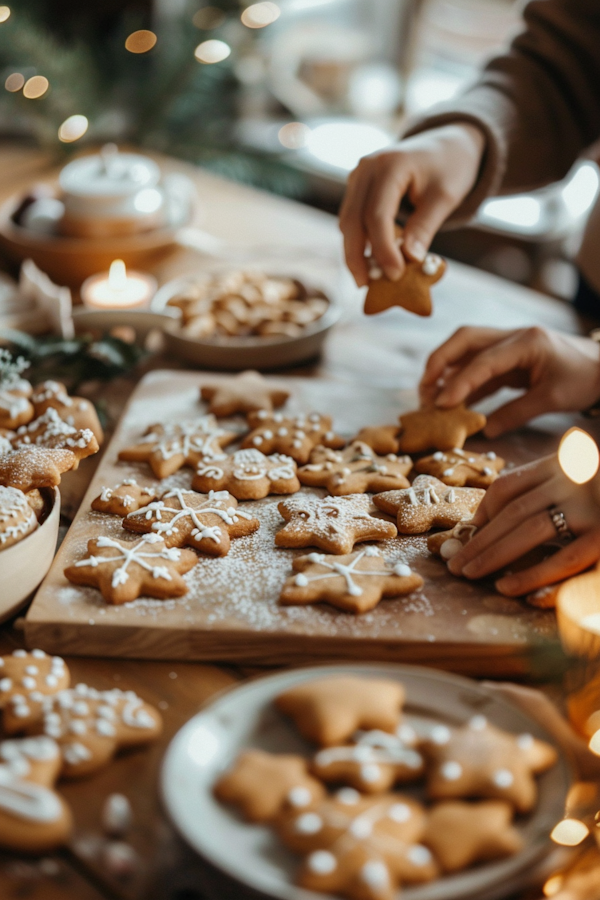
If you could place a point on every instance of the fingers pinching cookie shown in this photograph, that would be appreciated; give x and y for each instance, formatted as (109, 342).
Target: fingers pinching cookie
(461, 468)
(354, 470)
(296, 436)
(461, 834)
(206, 522)
(330, 710)
(429, 503)
(447, 544)
(431, 428)
(17, 518)
(124, 498)
(355, 582)
(244, 393)
(262, 784)
(381, 438)
(35, 467)
(76, 411)
(248, 475)
(411, 292)
(333, 524)
(25, 679)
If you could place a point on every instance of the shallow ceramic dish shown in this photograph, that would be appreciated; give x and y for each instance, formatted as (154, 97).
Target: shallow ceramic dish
(24, 565)
(251, 352)
(244, 717)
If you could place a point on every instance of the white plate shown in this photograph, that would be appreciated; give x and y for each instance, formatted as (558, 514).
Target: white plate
(245, 717)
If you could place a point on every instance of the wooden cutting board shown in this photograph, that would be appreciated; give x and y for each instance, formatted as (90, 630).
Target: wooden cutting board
(231, 612)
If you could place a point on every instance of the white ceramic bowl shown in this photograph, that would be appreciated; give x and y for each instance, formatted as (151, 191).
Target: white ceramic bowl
(24, 565)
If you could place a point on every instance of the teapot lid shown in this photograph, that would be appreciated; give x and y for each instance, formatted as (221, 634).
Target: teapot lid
(109, 174)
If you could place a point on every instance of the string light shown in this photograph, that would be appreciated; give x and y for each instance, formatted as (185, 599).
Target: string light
(578, 455)
(294, 135)
(14, 82)
(35, 87)
(140, 41)
(259, 15)
(569, 832)
(72, 129)
(208, 17)
(4, 13)
(212, 51)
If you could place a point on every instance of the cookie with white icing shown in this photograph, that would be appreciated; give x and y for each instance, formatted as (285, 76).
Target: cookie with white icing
(447, 544)
(429, 503)
(15, 406)
(51, 432)
(17, 517)
(35, 467)
(26, 678)
(248, 475)
(355, 582)
(296, 436)
(124, 498)
(462, 468)
(75, 411)
(355, 470)
(412, 291)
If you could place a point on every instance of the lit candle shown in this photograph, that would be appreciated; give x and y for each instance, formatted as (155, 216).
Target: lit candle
(118, 289)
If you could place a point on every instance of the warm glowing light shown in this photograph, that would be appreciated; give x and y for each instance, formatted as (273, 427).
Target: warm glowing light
(148, 200)
(14, 82)
(523, 212)
(140, 41)
(569, 832)
(117, 275)
(553, 885)
(259, 15)
(578, 455)
(594, 744)
(208, 17)
(118, 289)
(342, 144)
(4, 13)
(72, 129)
(212, 51)
(294, 135)
(35, 87)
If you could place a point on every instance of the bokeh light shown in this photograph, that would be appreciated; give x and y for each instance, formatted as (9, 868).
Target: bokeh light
(35, 87)
(569, 832)
(594, 744)
(259, 15)
(4, 13)
(578, 455)
(140, 41)
(212, 51)
(14, 82)
(294, 135)
(553, 885)
(208, 17)
(72, 129)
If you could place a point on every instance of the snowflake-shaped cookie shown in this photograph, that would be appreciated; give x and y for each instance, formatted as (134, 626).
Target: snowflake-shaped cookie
(461, 834)
(462, 468)
(124, 498)
(248, 475)
(295, 436)
(51, 432)
(25, 679)
(242, 393)
(433, 428)
(206, 522)
(169, 447)
(354, 470)
(333, 524)
(125, 570)
(429, 503)
(355, 582)
(17, 518)
(75, 411)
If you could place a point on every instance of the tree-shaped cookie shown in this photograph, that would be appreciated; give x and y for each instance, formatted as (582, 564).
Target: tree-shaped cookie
(461, 834)
(411, 292)
(123, 498)
(25, 679)
(76, 411)
(125, 570)
(50, 431)
(35, 467)
(330, 710)
(166, 448)
(242, 393)
(431, 428)
(262, 784)
(206, 522)
(429, 503)
(17, 518)
(295, 436)
(354, 470)
(462, 468)
(355, 582)
(480, 760)
(333, 524)
(248, 475)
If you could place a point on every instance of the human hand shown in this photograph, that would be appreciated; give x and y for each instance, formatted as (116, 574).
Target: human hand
(513, 518)
(435, 170)
(559, 372)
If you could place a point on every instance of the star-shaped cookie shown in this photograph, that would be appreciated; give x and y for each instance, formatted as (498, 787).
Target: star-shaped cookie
(438, 429)
(296, 436)
(25, 679)
(262, 784)
(166, 448)
(429, 503)
(125, 570)
(381, 438)
(75, 411)
(355, 582)
(49, 431)
(330, 710)
(206, 522)
(354, 470)
(124, 498)
(242, 393)
(480, 760)
(35, 467)
(461, 834)
(248, 475)
(462, 468)
(411, 292)
(333, 524)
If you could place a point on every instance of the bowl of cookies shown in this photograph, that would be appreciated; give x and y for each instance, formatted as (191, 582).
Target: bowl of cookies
(247, 318)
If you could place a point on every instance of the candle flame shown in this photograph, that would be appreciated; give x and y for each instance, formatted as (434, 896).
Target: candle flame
(594, 744)
(117, 275)
(578, 455)
(569, 832)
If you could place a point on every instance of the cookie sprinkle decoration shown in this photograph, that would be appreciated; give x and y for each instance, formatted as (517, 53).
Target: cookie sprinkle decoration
(460, 468)
(354, 470)
(248, 475)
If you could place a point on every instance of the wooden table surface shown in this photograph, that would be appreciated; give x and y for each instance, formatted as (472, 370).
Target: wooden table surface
(387, 351)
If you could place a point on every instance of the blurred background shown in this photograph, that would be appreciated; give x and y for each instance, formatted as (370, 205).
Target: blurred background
(286, 96)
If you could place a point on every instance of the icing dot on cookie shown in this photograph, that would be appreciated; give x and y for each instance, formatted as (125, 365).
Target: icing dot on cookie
(39, 654)
(478, 723)
(525, 741)
(299, 796)
(400, 812)
(402, 570)
(348, 796)
(29, 683)
(440, 734)
(257, 440)
(361, 828)
(503, 778)
(309, 823)
(375, 874)
(301, 580)
(371, 551)
(5, 684)
(370, 773)
(419, 855)
(450, 548)
(19, 653)
(51, 681)
(31, 670)
(451, 771)
(322, 862)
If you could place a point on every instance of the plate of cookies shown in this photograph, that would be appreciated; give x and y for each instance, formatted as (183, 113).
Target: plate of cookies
(240, 318)
(358, 781)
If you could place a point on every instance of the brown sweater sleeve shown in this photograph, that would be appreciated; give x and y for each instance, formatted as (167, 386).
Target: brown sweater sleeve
(538, 105)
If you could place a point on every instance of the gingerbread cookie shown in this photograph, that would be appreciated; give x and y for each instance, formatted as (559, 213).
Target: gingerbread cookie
(17, 518)
(354, 470)
(206, 522)
(242, 393)
(33, 817)
(124, 498)
(35, 467)
(448, 543)
(355, 582)
(262, 784)
(429, 503)
(25, 679)
(90, 726)
(412, 291)
(125, 570)
(15, 407)
(296, 436)
(333, 524)
(461, 834)
(36, 502)
(166, 448)
(381, 438)
(75, 411)
(330, 710)
(438, 429)
(545, 597)
(49, 431)
(373, 762)
(461, 468)
(480, 760)
(248, 475)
